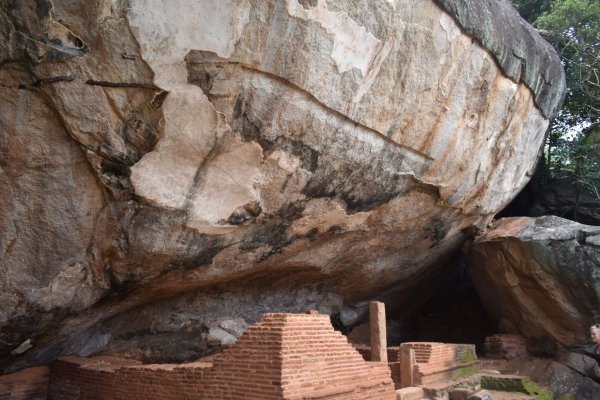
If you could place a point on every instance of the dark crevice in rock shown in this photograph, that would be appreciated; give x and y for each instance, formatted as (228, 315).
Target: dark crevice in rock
(43, 81)
(159, 99)
(137, 85)
(244, 215)
(200, 175)
(454, 314)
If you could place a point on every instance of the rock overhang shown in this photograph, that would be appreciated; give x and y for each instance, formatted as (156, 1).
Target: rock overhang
(260, 156)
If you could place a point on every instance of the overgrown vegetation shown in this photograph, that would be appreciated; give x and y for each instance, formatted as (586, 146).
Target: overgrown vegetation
(573, 145)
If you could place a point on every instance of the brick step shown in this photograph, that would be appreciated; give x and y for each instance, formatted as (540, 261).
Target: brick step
(498, 395)
(513, 385)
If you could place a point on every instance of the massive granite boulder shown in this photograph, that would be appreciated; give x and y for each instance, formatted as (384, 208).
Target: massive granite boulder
(539, 277)
(171, 170)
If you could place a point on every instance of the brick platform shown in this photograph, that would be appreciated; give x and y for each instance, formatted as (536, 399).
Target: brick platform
(296, 356)
(283, 356)
(440, 361)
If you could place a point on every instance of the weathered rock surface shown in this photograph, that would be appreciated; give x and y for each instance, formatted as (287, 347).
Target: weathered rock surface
(567, 376)
(170, 170)
(539, 277)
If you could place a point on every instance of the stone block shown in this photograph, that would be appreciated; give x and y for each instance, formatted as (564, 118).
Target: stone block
(460, 394)
(410, 393)
(378, 332)
(480, 395)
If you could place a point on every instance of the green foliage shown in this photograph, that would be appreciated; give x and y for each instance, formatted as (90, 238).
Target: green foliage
(530, 10)
(573, 28)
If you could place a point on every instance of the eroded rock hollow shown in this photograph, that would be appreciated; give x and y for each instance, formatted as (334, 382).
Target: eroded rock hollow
(539, 277)
(171, 170)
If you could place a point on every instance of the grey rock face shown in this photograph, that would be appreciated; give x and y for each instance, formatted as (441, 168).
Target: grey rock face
(172, 165)
(539, 277)
(516, 45)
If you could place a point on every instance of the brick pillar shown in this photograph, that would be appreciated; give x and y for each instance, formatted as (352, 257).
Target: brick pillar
(407, 363)
(378, 332)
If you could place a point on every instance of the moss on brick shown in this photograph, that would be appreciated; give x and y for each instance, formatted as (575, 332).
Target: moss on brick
(536, 390)
(465, 372)
(467, 356)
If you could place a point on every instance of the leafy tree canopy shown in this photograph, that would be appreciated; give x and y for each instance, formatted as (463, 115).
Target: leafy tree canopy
(573, 28)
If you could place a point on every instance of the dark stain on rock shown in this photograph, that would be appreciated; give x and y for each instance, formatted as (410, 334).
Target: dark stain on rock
(120, 288)
(43, 9)
(307, 4)
(244, 214)
(272, 234)
(335, 229)
(250, 128)
(143, 128)
(313, 234)
(159, 99)
(360, 190)
(114, 168)
(438, 231)
(309, 158)
(272, 230)
(204, 258)
(291, 211)
(133, 334)
(178, 346)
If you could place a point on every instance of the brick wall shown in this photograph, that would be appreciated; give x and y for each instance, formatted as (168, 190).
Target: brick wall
(27, 384)
(73, 378)
(283, 356)
(393, 354)
(442, 361)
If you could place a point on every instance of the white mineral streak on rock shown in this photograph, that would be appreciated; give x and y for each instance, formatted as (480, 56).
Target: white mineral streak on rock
(165, 175)
(104, 10)
(353, 46)
(167, 32)
(226, 185)
(449, 26)
(373, 71)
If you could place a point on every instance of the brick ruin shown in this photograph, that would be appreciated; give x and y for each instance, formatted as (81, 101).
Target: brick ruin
(424, 363)
(73, 378)
(283, 356)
